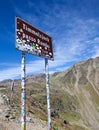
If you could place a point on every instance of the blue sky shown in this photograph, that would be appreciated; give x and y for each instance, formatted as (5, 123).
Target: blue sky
(72, 24)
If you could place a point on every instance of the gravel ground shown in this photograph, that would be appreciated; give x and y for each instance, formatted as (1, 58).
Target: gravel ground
(5, 124)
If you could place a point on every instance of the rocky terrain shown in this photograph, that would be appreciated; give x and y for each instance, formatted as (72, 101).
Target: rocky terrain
(74, 99)
(82, 81)
(10, 121)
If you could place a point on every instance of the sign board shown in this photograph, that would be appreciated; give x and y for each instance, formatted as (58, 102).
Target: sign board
(31, 40)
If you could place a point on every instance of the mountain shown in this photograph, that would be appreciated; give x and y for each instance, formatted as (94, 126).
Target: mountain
(82, 82)
(74, 96)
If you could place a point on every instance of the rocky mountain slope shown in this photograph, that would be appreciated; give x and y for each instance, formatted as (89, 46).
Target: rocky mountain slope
(82, 81)
(74, 96)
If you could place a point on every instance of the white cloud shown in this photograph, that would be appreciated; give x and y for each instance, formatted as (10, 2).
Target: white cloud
(9, 73)
(4, 64)
(96, 51)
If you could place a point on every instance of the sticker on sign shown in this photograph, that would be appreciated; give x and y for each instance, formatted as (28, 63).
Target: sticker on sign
(31, 40)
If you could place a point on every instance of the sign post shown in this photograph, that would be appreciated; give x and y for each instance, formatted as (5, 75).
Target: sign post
(12, 93)
(48, 93)
(31, 40)
(23, 94)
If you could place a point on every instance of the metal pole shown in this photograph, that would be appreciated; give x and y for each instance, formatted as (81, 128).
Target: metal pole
(23, 94)
(12, 92)
(48, 93)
